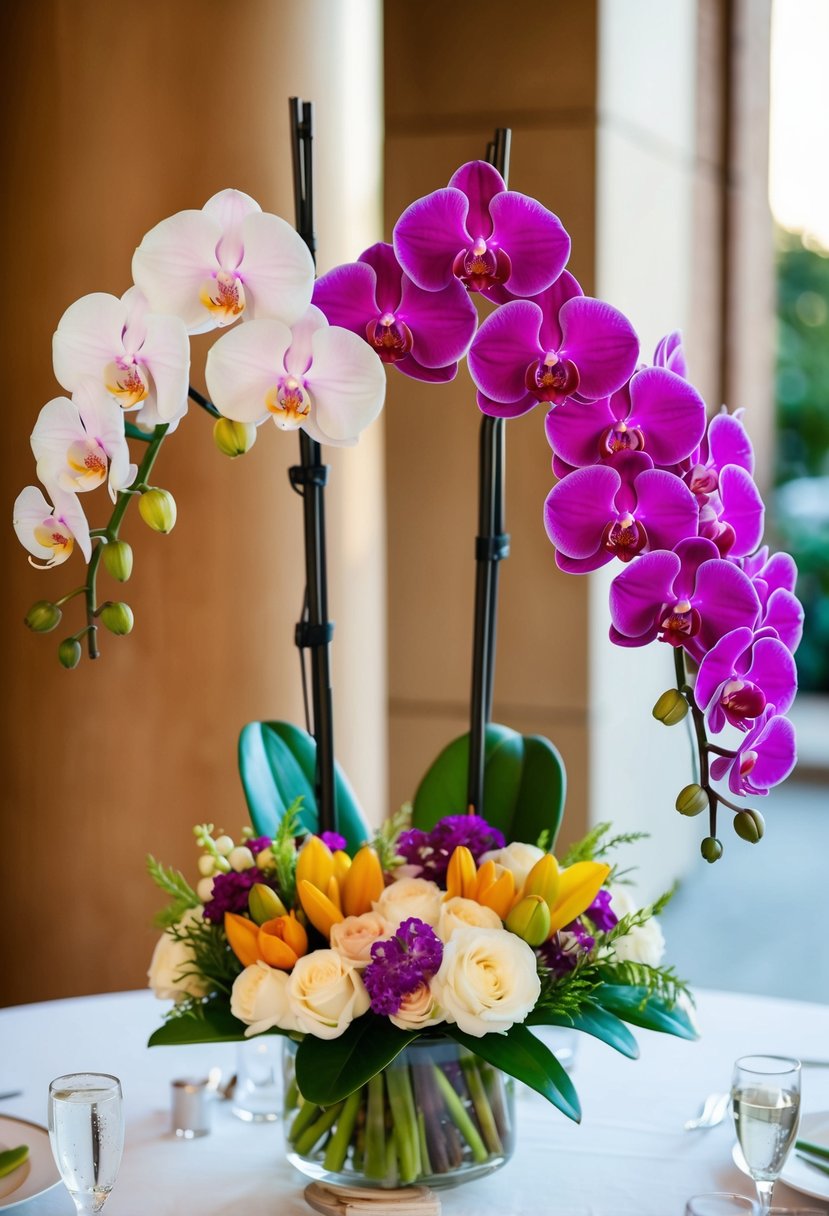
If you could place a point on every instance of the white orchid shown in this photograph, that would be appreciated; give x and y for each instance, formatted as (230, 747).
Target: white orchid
(316, 376)
(230, 259)
(50, 533)
(80, 444)
(141, 357)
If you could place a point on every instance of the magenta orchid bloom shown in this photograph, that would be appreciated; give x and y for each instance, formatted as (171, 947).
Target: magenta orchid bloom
(726, 443)
(477, 231)
(690, 597)
(548, 348)
(670, 353)
(655, 412)
(423, 333)
(617, 509)
(765, 757)
(774, 581)
(742, 674)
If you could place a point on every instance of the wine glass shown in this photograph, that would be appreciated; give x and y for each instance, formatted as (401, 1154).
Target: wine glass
(86, 1129)
(765, 1100)
(720, 1204)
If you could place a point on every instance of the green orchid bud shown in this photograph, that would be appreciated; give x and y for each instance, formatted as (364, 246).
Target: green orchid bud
(117, 557)
(69, 653)
(671, 707)
(264, 904)
(158, 510)
(711, 849)
(530, 920)
(118, 618)
(749, 825)
(43, 616)
(691, 800)
(233, 438)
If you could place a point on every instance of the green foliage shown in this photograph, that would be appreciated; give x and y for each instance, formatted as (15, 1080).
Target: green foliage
(525, 785)
(177, 887)
(597, 844)
(285, 853)
(213, 959)
(595, 1021)
(638, 1007)
(387, 836)
(198, 1022)
(328, 1070)
(523, 1056)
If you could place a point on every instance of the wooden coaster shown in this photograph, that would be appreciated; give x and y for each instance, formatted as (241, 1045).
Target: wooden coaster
(366, 1201)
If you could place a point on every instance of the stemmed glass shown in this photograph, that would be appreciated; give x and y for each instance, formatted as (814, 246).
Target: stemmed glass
(86, 1129)
(765, 1100)
(721, 1204)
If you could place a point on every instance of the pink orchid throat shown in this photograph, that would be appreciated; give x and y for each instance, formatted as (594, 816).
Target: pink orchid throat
(552, 378)
(678, 622)
(390, 337)
(480, 267)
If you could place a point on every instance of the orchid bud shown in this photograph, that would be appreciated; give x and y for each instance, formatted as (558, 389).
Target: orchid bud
(530, 920)
(264, 904)
(117, 557)
(711, 849)
(43, 616)
(224, 845)
(204, 889)
(671, 707)
(207, 865)
(749, 825)
(118, 618)
(691, 800)
(69, 653)
(233, 438)
(241, 858)
(158, 510)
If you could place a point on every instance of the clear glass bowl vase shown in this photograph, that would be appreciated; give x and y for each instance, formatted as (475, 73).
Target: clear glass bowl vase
(437, 1116)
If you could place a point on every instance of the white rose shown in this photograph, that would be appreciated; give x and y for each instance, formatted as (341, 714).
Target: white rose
(487, 981)
(354, 937)
(410, 897)
(460, 913)
(172, 959)
(259, 998)
(643, 944)
(517, 857)
(326, 993)
(418, 1010)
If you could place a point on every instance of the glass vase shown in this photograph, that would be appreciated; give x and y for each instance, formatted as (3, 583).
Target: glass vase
(438, 1115)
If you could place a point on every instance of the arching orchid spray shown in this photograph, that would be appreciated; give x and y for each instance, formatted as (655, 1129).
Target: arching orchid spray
(643, 479)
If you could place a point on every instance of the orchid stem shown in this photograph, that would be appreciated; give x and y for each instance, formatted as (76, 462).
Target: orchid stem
(702, 744)
(202, 402)
(70, 595)
(721, 751)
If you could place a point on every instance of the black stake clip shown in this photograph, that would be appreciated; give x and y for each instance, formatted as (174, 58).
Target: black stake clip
(310, 637)
(492, 548)
(301, 475)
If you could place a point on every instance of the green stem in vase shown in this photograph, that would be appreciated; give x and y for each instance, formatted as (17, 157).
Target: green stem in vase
(459, 1116)
(428, 1101)
(312, 1135)
(291, 1096)
(303, 1119)
(483, 1110)
(494, 1088)
(337, 1147)
(425, 1163)
(404, 1117)
(375, 1164)
(391, 1175)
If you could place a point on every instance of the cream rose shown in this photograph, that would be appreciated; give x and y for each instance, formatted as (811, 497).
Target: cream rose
(259, 998)
(171, 961)
(410, 897)
(354, 937)
(460, 913)
(517, 857)
(487, 981)
(326, 994)
(418, 1010)
(643, 944)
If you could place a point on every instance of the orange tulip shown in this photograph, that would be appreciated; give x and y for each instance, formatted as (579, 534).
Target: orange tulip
(243, 935)
(282, 941)
(333, 893)
(363, 883)
(461, 874)
(500, 896)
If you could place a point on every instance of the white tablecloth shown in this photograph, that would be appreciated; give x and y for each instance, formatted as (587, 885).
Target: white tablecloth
(629, 1157)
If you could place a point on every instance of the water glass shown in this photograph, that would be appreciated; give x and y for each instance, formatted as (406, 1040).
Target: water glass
(257, 1096)
(765, 1100)
(721, 1204)
(86, 1130)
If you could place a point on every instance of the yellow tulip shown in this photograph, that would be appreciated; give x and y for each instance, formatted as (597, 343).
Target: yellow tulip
(500, 895)
(462, 874)
(579, 885)
(315, 863)
(530, 920)
(264, 903)
(342, 864)
(319, 909)
(363, 883)
(544, 880)
(282, 941)
(487, 874)
(243, 936)
(333, 893)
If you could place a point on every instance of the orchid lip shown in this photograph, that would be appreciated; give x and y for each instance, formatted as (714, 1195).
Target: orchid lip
(480, 267)
(625, 538)
(390, 337)
(127, 382)
(621, 438)
(289, 402)
(223, 295)
(747, 762)
(742, 699)
(679, 622)
(552, 378)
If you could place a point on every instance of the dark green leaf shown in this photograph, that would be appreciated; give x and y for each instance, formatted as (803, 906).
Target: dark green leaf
(328, 1070)
(523, 1056)
(212, 1024)
(277, 763)
(524, 785)
(595, 1021)
(633, 1005)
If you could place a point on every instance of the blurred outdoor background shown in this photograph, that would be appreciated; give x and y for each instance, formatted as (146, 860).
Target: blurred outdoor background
(684, 146)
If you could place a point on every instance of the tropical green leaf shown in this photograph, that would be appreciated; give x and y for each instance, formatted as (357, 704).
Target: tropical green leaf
(277, 764)
(523, 1056)
(328, 1070)
(595, 1021)
(524, 785)
(211, 1023)
(634, 1005)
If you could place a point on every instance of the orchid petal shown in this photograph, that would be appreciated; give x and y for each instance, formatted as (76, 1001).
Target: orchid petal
(166, 355)
(601, 342)
(534, 239)
(719, 664)
(389, 275)
(551, 301)
(720, 767)
(347, 382)
(277, 268)
(57, 428)
(776, 749)
(503, 349)
(480, 182)
(88, 338)
(742, 508)
(172, 262)
(136, 306)
(347, 296)
(669, 412)
(103, 421)
(69, 511)
(30, 510)
(244, 366)
(443, 323)
(669, 353)
(726, 600)
(638, 593)
(692, 553)
(300, 353)
(666, 506)
(780, 571)
(429, 235)
(574, 430)
(428, 375)
(514, 409)
(774, 670)
(584, 565)
(579, 508)
(229, 208)
(784, 614)
(728, 443)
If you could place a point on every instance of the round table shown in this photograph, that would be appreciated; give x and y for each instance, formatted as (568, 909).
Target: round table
(629, 1157)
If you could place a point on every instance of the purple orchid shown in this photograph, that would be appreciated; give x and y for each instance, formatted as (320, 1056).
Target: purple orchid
(765, 757)
(774, 581)
(670, 353)
(548, 348)
(423, 333)
(432, 850)
(619, 508)
(656, 412)
(690, 597)
(733, 517)
(726, 443)
(477, 231)
(400, 964)
(742, 674)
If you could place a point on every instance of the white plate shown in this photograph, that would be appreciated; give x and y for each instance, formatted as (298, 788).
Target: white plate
(37, 1174)
(797, 1173)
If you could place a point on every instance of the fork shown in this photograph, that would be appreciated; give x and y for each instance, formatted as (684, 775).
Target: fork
(713, 1112)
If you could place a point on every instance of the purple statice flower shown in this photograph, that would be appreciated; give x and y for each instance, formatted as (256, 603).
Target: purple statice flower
(655, 412)
(562, 951)
(764, 757)
(259, 843)
(670, 353)
(774, 581)
(547, 348)
(401, 963)
(432, 850)
(690, 597)
(601, 914)
(230, 893)
(334, 841)
(423, 333)
(619, 508)
(742, 674)
(477, 231)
